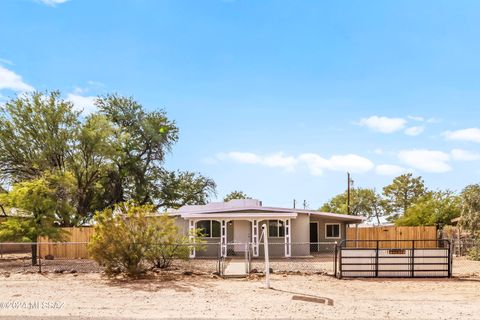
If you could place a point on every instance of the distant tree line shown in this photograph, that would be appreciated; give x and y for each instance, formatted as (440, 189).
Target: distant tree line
(408, 202)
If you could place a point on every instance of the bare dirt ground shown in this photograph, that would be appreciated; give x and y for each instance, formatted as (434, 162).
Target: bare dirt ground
(58, 296)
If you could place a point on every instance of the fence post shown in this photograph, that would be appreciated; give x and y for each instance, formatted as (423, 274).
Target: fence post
(218, 259)
(39, 258)
(247, 267)
(376, 259)
(450, 259)
(267, 258)
(340, 270)
(335, 253)
(412, 263)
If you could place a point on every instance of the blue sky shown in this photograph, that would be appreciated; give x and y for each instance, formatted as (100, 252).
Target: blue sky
(275, 98)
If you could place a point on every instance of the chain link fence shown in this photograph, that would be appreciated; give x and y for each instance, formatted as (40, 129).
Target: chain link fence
(306, 258)
(64, 257)
(466, 258)
(73, 257)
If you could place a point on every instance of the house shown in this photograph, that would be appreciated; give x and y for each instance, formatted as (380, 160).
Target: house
(233, 224)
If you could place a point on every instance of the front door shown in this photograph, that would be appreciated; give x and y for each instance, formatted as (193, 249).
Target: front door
(313, 236)
(241, 234)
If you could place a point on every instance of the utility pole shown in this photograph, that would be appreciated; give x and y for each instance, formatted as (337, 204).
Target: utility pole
(294, 203)
(305, 204)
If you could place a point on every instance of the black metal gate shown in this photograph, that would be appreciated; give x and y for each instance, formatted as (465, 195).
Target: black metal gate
(394, 259)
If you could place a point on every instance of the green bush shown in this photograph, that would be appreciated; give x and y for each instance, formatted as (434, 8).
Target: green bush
(168, 244)
(122, 236)
(130, 239)
(474, 252)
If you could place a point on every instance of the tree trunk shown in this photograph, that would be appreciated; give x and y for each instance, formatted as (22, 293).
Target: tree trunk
(34, 254)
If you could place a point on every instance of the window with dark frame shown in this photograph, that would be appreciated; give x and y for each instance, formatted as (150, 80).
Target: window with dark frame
(332, 230)
(276, 229)
(209, 228)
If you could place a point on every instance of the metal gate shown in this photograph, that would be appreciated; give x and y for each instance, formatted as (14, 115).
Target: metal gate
(394, 259)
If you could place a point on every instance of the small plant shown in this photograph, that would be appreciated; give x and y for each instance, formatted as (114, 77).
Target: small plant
(474, 252)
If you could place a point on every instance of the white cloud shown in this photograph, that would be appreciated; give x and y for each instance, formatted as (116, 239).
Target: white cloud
(464, 155)
(470, 135)
(414, 131)
(314, 162)
(426, 160)
(433, 120)
(390, 170)
(280, 160)
(350, 162)
(6, 61)
(82, 103)
(95, 83)
(383, 124)
(52, 3)
(378, 151)
(12, 81)
(274, 160)
(416, 118)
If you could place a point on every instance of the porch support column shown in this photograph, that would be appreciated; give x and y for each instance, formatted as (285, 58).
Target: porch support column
(255, 238)
(288, 243)
(191, 236)
(223, 238)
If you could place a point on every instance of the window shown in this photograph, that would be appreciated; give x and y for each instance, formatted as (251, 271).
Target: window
(276, 228)
(332, 230)
(209, 228)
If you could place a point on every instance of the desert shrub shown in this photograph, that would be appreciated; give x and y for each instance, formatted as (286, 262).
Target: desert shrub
(130, 239)
(122, 238)
(169, 244)
(474, 252)
(162, 255)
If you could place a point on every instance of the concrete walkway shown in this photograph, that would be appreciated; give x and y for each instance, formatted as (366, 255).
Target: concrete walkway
(235, 268)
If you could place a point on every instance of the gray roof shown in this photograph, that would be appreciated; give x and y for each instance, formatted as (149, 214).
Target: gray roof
(254, 206)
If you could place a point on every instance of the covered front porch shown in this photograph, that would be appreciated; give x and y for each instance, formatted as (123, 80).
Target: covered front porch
(235, 232)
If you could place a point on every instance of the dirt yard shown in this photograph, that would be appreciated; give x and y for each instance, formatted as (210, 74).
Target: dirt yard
(89, 295)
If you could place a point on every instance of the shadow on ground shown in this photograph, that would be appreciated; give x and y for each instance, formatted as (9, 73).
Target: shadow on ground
(154, 283)
(308, 297)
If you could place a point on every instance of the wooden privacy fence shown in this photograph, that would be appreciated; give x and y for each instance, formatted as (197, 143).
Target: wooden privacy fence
(74, 245)
(393, 237)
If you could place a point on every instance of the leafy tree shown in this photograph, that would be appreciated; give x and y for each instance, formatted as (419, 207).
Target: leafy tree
(109, 157)
(178, 188)
(363, 202)
(91, 165)
(433, 208)
(38, 137)
(141, 140)
(402, 193)
(236, 194)
(37, 199)
(470, 204)
(36, 134)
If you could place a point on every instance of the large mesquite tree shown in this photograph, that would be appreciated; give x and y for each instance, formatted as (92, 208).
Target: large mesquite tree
(114, 155)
